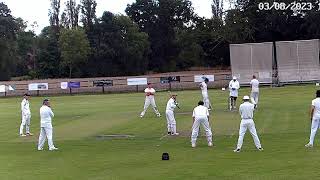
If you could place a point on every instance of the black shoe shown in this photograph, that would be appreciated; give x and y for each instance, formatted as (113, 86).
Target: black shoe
(169, 133)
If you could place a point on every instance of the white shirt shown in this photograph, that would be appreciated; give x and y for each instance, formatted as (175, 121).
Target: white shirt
(25, 107)
(254, 85)
(233, 88)
(200, 112)
(150, 90)
(316, 104)
(46, 116)
(204, 89)
(171, 105)
(246, 110)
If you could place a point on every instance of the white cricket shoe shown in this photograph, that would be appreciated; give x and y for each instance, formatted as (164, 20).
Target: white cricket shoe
(40, 149)
(158, 115)
(210, 144)
(23, 135)
(236, 150)
(175, 134)
(260, 149)
(53, 149)
(193, 145)
(141, 116)
(308, 145)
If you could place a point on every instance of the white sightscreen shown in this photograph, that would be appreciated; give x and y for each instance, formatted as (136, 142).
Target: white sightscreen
(252, 59)
(298, 60)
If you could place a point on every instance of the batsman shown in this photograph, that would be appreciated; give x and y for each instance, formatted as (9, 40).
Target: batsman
(150, 92)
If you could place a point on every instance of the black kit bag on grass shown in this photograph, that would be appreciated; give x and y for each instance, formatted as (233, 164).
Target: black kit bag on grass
(165, 156)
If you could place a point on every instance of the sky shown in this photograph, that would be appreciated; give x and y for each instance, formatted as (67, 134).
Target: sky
(37, 10)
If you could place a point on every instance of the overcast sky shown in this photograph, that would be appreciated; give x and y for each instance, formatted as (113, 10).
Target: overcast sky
(37, 10)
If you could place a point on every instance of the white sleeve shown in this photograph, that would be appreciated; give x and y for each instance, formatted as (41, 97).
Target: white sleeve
(230, 86)
(51, 112)
(208, 112)
(312, 103)
(173, 104)
(251, 82)
(145, 90)
(237, 85)
(193, 114)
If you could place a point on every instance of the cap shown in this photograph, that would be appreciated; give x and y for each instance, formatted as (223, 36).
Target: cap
(246, 98)
(174, 94)
(46, 100)
(234, 77)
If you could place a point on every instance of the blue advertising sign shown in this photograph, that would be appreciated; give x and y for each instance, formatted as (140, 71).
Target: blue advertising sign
(74, 85)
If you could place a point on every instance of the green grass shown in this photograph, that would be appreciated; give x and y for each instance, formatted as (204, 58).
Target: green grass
(282, 122)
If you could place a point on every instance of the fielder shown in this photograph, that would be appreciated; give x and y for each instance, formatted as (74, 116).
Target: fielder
(26, 116)
(201, 116)
(246, 111)
(204, 90)
(150, 92)
(46, 116)
(254, 91)
(171, 122)
(315, 118)
(233, 88)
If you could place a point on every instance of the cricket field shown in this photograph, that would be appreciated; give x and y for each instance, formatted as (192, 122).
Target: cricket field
(82, 122)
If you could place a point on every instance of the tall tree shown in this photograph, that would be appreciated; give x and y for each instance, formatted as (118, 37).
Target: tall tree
(74, 47)
(217, 8)
(88, 10)
(54, 13)
(70, 16)
(8, 29)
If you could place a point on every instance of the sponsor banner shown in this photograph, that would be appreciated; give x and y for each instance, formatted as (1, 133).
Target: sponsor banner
(164, 80)
(74, 85)
(38, 86)
(137, 81)
(101, 83)
(64, 85)
(201, 78)
(2, 88)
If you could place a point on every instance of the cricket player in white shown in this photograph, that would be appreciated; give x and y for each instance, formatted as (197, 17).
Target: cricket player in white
(204, 91)
(233, 88)
(26, 115)
(150, 92)
(46, 116)
(200, 116)
(171, 122)
(246, 111)
(254, 91)
(315, 118)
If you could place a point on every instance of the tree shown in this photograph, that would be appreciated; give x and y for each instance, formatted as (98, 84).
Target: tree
(217, 8)
(88, 10)
(74, 47)
(70, 16)
(118, 47)
(159, 19)
(8, 29)
(54, 14)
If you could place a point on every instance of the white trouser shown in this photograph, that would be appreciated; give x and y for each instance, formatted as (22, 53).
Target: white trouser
(195, 129)
(254, 97)
(171, 122)
(25, 122)
(206, 101)
(244, 125)
(45, 132)
(314, 128)
(150, 100)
